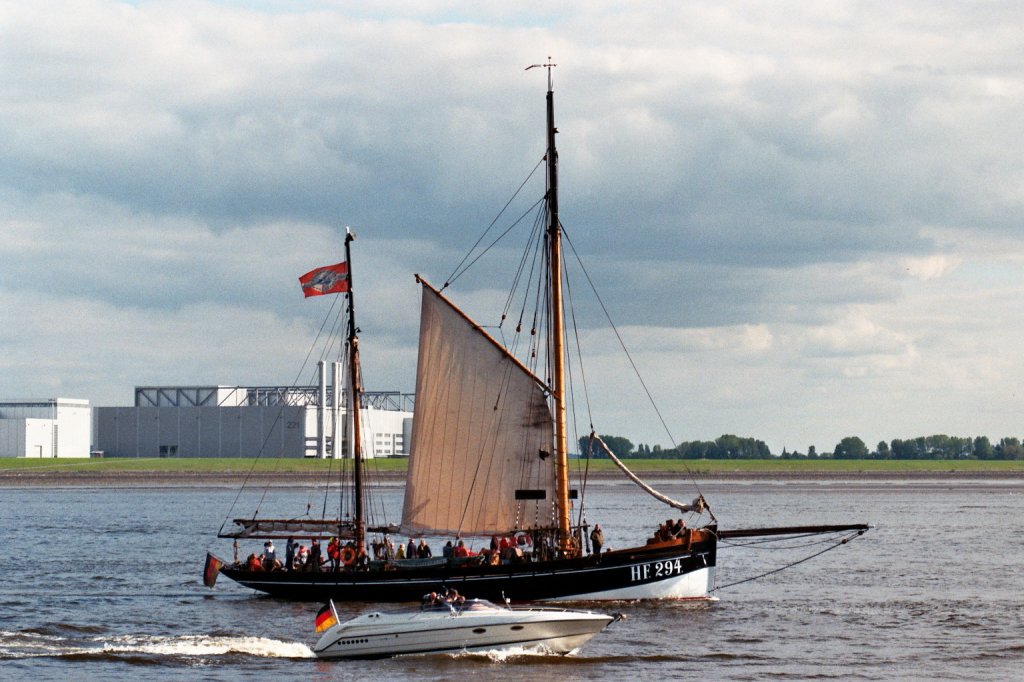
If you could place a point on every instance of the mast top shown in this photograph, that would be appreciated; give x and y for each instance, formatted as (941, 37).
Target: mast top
(549, 65)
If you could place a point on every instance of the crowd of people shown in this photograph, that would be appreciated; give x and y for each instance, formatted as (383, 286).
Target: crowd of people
(339, 556)
(385, 550)
(301, 558)
(670, 530)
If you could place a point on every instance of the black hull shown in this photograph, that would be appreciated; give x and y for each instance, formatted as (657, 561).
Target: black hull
(663, 571)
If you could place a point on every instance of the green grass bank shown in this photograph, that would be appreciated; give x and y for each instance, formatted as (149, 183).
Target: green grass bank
(243, 465)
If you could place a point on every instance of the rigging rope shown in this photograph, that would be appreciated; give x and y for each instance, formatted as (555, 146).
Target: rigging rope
(453, 276)
(277, 420)
(840, 543)
(629, 357)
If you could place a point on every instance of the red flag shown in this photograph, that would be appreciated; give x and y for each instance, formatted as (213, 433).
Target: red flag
(326, 617)
(330, 279)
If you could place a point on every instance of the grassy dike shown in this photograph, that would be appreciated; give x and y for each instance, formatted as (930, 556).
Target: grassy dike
(14, 467)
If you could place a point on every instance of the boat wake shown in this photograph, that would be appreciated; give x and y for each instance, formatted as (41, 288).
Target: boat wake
(22, 645)
(531, 656)
(507, 654)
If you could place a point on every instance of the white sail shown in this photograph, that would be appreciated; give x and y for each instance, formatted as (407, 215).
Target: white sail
(482, 433)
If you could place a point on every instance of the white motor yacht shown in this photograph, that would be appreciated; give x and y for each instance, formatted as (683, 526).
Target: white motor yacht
(452, 627)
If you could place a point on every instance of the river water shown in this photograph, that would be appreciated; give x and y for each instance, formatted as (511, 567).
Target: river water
(105, 583)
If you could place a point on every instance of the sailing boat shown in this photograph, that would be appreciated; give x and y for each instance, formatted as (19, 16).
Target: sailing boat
(489, 457)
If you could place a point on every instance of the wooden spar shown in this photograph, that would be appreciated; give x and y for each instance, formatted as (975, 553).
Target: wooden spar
(698, 505)
(298, 528)
(355, 393)
(790, 530)
(557, 332)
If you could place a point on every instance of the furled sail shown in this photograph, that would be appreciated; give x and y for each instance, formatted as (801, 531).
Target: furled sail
(299, 528)
(482, 434)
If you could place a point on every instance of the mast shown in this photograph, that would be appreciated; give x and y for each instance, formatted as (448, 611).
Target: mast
(355, 380)
(557, 331)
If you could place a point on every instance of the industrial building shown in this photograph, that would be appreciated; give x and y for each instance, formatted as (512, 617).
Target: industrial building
(59, 427)
(240, 421)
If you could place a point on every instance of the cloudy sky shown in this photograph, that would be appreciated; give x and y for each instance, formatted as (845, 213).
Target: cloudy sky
(804, 217)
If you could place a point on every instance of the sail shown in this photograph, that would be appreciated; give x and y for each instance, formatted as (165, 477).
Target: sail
(480, 460)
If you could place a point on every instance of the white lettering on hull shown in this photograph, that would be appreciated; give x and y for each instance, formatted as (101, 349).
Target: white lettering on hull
(693, 585)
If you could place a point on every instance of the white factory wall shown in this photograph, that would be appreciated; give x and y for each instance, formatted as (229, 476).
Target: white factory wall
(60, 427)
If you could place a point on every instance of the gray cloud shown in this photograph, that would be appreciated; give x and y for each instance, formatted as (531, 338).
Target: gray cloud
(789, 199)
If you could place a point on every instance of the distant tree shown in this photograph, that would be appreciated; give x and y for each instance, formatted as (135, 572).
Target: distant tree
(657, 450)
(812, 452)
(882, 451)
(905, 449)
(851, 447)
(622, 447)
(1009, 448)
(982, 448)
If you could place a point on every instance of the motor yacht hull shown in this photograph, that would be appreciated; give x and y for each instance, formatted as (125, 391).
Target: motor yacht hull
(377, 635)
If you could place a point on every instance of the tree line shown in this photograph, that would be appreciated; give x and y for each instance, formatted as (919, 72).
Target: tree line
(736, 447)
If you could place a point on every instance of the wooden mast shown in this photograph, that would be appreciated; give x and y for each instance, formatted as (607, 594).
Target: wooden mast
(354, 397)
(557, 331)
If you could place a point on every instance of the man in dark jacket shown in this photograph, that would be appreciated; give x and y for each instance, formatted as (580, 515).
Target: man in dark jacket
(314, 556)
(597, 540)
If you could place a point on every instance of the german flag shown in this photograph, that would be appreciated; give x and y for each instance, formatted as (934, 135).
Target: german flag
(211, 570)
(326, 617)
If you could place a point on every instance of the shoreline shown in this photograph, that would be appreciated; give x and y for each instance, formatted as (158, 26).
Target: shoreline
(130, 479)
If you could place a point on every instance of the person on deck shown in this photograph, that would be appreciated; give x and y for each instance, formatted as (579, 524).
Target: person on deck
(270, 562)
(289, 554)
(315, 558)
(423, 551)
(597, 540)
(400, 553)
(447, 551)
(253, 563)
(362, 561)
(461, 551)
(334, 554)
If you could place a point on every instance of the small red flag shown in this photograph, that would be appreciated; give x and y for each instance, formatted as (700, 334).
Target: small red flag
(325, 618)
(330, 279)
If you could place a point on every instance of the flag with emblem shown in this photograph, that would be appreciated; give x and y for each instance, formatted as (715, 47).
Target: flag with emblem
(330, 279)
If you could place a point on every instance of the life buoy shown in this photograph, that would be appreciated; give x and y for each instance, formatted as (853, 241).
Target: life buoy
(348, 556)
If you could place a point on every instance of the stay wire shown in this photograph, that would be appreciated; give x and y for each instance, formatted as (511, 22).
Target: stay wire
(582, 470)
(457, 272)
(632, 363)
(760, 544)
(533, 245)
(277, 420)
(840, 543)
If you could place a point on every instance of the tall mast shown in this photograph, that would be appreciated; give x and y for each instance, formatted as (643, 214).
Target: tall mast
(557, 330)
(355, 391)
